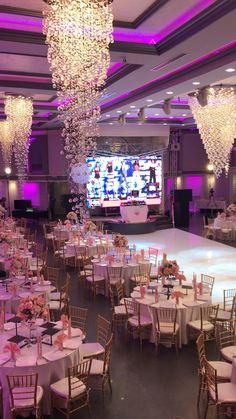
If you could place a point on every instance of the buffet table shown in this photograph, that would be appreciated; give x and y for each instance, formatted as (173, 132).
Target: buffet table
(134, 213)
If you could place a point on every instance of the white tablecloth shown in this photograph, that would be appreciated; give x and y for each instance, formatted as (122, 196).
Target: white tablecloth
(186, 313)
(134, 213)
(48, 371)
(210, 204)
(220, 223)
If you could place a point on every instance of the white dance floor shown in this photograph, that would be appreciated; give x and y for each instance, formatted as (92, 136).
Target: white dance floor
(194, 254)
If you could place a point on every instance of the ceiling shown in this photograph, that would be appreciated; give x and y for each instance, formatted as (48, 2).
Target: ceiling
(159, 47)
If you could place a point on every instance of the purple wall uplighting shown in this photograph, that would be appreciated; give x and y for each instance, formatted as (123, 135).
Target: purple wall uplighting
(31, 191)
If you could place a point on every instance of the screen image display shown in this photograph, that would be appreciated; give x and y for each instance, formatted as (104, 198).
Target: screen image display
(115, 179)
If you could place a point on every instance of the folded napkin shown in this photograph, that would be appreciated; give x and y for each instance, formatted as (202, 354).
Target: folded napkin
(74, 332)
(54, 355)
(9, 326)
(26, 361)
(72, 343)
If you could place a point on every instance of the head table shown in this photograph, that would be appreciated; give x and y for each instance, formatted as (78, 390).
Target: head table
(52, 366)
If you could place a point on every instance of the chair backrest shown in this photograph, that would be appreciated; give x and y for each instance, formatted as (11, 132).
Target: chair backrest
(153, 253)
(78, 316)
(208, 313)
(52, 275)
(78, 377)
(114, 273)
(211, 379)
(103, 330)
(107, 355)
(166, 315)
(225, 336)
(201, 350)
(29, 382)
(81, 251)
(131, 307)
(208, 281)
(145, 268)
(112, 297)
(141, 279)
(228, 296)
(119, 290)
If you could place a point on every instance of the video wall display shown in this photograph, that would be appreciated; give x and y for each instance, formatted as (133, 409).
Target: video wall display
(115, 179)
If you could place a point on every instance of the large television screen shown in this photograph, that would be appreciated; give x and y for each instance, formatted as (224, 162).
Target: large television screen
(116, 179)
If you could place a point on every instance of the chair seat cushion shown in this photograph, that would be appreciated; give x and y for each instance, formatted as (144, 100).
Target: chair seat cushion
(224, 370)
(61, 387)
(97, 278)
(196, 324)
(20, 393)
(122, 301)
(97, 367)
(114, 281)
(90, 349)
(228, 352)
(167, 328)
(55, 295)
(120, 310)
(226, 392)
(144, 321)
(55, 305)
(223, 315)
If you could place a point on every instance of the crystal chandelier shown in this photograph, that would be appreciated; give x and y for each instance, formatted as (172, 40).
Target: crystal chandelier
(78, 34)
(19, 111)
(6, 140)
(216, 121)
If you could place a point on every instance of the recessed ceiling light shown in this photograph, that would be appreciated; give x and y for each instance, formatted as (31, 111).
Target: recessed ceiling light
(149, 100)
(171, 117)
(128, 113)
(230, 70)
(196, 83)
(132, 106)
(118, 111)
(184, 114)
(169, 93)
(110, 123)
(156, 114)
(165, 123)
(108, 116)
(140, 123)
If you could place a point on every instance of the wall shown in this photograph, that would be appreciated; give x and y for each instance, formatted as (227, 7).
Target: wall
(56, 162)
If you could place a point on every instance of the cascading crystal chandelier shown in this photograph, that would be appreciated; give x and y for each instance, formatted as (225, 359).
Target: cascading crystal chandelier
(78, 34)
(19, 111)
(6, 140)
(216, 121)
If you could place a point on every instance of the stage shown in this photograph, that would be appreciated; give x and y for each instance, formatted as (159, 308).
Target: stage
(194, 254)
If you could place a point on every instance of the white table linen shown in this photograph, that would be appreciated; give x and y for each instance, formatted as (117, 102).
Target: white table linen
(221, 223)
(134, 213)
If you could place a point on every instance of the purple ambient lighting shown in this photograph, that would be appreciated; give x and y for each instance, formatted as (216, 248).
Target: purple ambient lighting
(18, 21)
(195, 183)
(114, 68)
(184, 67)
(30, 190)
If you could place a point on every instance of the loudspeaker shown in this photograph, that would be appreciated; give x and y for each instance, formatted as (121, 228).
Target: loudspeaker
(182, 197)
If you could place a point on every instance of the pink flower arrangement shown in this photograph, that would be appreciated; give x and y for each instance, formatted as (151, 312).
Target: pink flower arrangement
(13, 348)
(221, 216)
(169, 267)
(30, 307)
(5, 238)
(120, 241)
(16, 264)
(231, 209)
(72, 216)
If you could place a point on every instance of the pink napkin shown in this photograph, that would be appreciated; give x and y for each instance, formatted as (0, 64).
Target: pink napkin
(13, 348)
(142, 291)
(200, 287)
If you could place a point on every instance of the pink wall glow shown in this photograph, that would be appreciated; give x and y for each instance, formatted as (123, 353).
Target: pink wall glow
(31, 191)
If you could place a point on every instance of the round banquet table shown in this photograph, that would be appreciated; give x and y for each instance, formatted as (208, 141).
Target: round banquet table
(128, 271)
(73, 247)
(134, 213)
(49, 370)
(188, 309)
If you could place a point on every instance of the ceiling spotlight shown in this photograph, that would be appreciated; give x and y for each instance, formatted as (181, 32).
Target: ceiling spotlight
(108, 116)
(149, 100)
(230, 70)
(8, 170)
(171, 117)
(167, 106)
(156, 114)
(169, 93)
(128, 113)
(165, 123)
(141, 114)
(132, 106)
(196, 83)
(184, 114)
(210, 167)
(110, 123)
(118, 111)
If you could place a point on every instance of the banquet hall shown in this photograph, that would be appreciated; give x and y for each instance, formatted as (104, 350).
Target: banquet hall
(118, 209)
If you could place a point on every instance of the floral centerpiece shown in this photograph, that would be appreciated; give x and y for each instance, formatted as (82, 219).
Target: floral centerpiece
(30, 307)
(5, 238)
(16, 264)
(120, 241)
(90, 226)
(231, 210)
(72, 217)
(169, 268)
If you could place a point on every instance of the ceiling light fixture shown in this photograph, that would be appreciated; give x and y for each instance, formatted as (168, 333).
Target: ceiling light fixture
(149, 100)
(196, 83)
(169, 93)
(132, 106)
(216, 123)
(230, 70)
(6, 140)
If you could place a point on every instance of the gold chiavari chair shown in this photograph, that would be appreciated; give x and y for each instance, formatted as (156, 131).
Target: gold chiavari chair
(137, 324)
(153, 253)
(224, 369)
(207, 322)
(25, 394)
(222, 395)
(119, 314)
(114, 275)
(56, 307)
(100, 371)
(228, 296)
(208, 281)
(97, 349)
(94, 282)
(72, 391)
(48, 234)
(53, 275)
(225, 315)
(166, 326)
(226, 341)
(78, 316)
